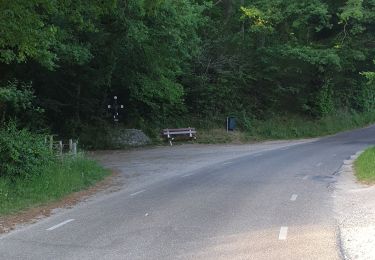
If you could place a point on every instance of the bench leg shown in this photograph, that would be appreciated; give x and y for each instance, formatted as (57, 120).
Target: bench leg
(170, 142)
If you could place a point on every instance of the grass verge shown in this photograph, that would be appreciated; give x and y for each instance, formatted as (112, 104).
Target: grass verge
(365, 166)
(298, 127)
(288, 127)
(211, 130)
(53, 182)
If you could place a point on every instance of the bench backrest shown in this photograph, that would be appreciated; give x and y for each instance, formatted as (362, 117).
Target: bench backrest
(173, 130)
(179, 131)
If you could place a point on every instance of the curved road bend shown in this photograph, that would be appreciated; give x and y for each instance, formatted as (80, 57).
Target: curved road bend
(273, 205)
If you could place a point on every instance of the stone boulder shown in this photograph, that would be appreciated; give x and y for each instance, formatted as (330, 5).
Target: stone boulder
(128, 137)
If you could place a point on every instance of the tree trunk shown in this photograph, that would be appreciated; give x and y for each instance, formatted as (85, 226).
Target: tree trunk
(243, 22)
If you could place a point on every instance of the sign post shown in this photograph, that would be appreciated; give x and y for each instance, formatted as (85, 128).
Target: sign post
(115, 109)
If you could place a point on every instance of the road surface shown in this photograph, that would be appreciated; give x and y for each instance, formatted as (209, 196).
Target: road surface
(263, 201)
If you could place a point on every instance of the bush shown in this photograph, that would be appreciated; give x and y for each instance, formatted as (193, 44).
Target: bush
(17, 100)
(22, 153)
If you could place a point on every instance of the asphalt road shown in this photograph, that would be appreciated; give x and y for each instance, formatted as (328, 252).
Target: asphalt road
(276, 203)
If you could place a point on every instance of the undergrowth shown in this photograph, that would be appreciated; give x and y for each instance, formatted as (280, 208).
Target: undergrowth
(287, 127)
(212, 130)
(52, 182)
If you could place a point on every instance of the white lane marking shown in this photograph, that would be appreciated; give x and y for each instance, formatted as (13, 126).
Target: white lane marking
(283, 233)
(306, 177)
(334, 155)
(294, 197)
(319, 164)
(136, 193)
(61, 224)
(186, 175)
(284, 148)
(258, 154)
(226, 163)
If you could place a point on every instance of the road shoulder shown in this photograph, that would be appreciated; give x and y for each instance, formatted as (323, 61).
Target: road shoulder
(32, 215)
(355, 212)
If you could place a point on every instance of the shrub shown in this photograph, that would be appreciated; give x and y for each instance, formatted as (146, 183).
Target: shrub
(22, 152)
(17, 100)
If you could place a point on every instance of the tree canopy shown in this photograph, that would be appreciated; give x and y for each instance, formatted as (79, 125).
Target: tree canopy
(200, 58)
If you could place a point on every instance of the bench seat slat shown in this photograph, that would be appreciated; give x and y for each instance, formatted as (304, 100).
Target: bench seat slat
(178, 133)
(178, 129)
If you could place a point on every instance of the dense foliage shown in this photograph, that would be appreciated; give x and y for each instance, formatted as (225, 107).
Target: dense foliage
(170, 59)
(22, 153)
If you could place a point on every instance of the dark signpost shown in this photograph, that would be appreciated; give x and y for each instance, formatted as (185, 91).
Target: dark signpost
(115, 109)
(231, 123)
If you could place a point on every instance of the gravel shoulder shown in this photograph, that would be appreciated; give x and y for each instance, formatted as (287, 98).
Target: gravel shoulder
(355, 212)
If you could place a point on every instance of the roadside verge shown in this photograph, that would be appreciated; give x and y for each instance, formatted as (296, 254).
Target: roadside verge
(35, 204)
(355, 213)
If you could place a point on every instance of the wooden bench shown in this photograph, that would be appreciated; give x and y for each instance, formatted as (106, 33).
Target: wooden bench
(170, 134)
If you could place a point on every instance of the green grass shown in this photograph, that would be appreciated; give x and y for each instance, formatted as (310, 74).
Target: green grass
(298, 127)
(365, 166)
(212, 129)
(287, 127)
(53, 182)
(212, 136)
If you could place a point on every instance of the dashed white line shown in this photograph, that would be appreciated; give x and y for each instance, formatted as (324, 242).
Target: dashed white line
(319, 164)
(257, 154)
(306, 177)
(283, 233)
(59, 225)
(294, 197)
(136, 193)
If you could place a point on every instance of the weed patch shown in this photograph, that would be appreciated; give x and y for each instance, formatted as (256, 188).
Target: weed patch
(53, 181)
(287, 127)
(365, 166)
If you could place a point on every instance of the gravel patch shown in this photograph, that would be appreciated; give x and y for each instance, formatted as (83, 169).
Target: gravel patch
(128, 137)
(355, 212)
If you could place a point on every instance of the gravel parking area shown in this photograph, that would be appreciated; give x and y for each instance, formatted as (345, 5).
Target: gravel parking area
(143, 166)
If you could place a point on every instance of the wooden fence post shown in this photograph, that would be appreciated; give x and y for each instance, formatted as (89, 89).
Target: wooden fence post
(74, 147)
(60, 148)
(51, 143)
(70, 145)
